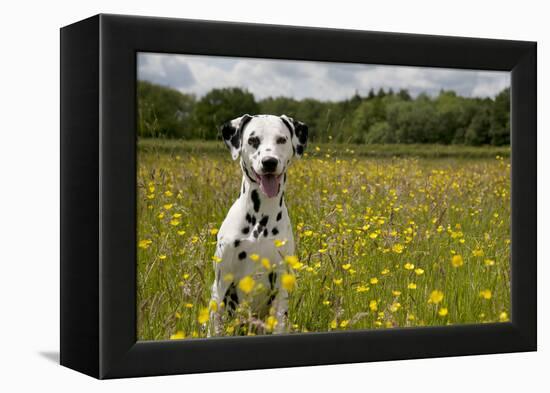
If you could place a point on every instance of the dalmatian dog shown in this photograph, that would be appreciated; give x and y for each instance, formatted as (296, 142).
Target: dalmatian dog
(256, 234)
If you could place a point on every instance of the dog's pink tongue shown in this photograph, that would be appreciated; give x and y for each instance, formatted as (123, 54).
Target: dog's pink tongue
(269, 184)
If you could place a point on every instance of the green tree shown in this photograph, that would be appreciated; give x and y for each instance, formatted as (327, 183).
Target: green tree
(219, 106)
(500, 119)
(163, 111)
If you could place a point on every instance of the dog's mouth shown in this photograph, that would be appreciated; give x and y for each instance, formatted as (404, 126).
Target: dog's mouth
(269, 184)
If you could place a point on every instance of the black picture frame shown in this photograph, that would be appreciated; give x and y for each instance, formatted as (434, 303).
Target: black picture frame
(98, 194)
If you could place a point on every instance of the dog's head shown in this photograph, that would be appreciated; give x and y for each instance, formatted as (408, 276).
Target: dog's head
(267, 144)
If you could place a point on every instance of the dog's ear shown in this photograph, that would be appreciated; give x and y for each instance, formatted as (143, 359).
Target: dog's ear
(298, 133)
(232, 134)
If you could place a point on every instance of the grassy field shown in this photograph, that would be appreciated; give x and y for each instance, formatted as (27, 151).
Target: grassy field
(386, 236)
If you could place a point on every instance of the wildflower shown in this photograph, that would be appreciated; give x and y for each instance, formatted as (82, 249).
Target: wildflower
(486, 294)
(362, 288)
(308, 233)
(346, 266)
(279, 243)
(419, 271)
(435, 297)
(489, 262)
(266, 264)
(396, 293)
(373, 305)
(333, 324)
(457, 260)
(181, 233)
(168, 206)
(288, 282)
(179, 335)
(411, 285)
(337, 281)
(247, 284)
(214, 231)
(174, 222)
(203, 315)
(168, 193)
(177, 315)
(326, 302)
(188, 305)
(213, 305)
(162, 257)
(373, 235)
(398, 248)
(409, 266)
(373, 281)
(503, 317)
(322, 250)
(270, 323)
(478, 252)
(216, 259)
(293, 261)
(145, 243)
(384, 272)
(255, 257)
(395, 307)
(443, 311)
(344, 323)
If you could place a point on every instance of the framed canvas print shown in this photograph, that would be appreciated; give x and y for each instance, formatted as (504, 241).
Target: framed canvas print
(239, 196)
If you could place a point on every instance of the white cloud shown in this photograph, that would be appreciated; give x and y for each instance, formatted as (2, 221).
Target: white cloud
(304, 79)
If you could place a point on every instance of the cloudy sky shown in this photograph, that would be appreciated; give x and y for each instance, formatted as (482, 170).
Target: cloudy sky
(306, 79)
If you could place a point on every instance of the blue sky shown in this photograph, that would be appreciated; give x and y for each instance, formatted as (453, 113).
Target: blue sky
(305, 79)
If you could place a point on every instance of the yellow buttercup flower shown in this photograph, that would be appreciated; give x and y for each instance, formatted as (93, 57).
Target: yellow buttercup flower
(478, 252)
(443, 312)
(216, 259)
(489, 262)
(338, 281)
(214, 231)
(168, 206)
(346, 266)
(204, 315)
(411, 285)
(179, 335)
(344, 323)
(271, 323)
(333, 324)
(145, 243)
(435, 297)
(255, 257)
(247, 284)
(419, 271)
(486, 294)
(373, 305)
(288, 281)
(503, 317)
(162, 257)
(409, 266)
(279, 243)
(373, 281)
(398, 248)
(457, 260)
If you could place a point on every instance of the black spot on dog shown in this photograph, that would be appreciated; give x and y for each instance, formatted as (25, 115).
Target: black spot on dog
(274, 231)
(284, 178)
(248, 218)
(247, 174)
(265, 232)
(236, 243)
(300, 149)
(242, 255)
(287, 124)
(255, 200)
(272, 277)
(244, 187)
(245, 230)
(255, 233)
(281, 200)
(267, 149)
(231, 298)
(264, 220)
(253, 220)
(279, 216)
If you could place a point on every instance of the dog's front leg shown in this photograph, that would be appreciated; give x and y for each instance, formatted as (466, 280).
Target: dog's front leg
(281, 312)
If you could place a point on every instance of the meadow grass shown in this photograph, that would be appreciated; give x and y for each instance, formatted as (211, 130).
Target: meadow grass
(387, 236)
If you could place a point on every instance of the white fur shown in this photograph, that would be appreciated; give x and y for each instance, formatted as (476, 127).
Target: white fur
(268, 129)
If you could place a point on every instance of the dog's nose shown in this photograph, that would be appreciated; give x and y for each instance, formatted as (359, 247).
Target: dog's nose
(269, 164)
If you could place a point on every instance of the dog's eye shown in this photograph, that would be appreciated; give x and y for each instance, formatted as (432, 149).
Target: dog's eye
(254, 141)
(281, 140)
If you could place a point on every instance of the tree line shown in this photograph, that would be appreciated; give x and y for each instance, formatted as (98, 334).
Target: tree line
(382, 116)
